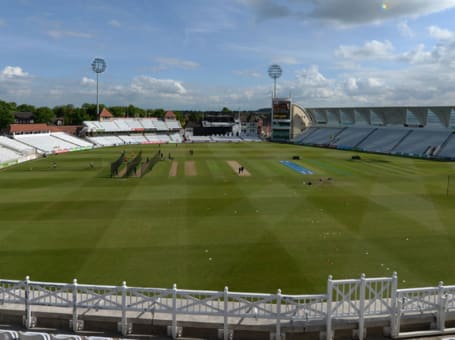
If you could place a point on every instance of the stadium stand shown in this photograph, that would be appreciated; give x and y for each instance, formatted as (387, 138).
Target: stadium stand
(418, 142)
(106, 140)
(148, 124)
(173, 124)
(425, 132)
(7, 155)
(447, 150)
(350, 137)
(46, 143)
(322, 136)
(383, 140)
(76, 141)
(16, 146)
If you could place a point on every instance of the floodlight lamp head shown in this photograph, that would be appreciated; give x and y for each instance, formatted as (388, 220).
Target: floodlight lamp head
(98, 65)
(275, 71)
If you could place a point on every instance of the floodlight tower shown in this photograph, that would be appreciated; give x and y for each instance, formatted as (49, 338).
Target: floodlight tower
(274, 73)
(98, 66)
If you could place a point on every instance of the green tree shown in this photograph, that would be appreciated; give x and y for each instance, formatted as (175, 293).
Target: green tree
(117, 111)
(44, 115)
(25, 108)
(225, 110)
(159, 113)
(6, 115)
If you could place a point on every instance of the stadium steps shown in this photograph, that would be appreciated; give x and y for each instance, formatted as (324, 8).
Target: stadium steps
(442, 146)
(401, 140)
(66, 141)
(365, 138)
(301, 138)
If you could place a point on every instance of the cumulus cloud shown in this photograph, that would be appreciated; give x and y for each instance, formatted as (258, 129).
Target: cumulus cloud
(373, 49)
(145, 85)
(88, 81)
(58, 34)
(440, 33)
(417, 56)
(13, 72)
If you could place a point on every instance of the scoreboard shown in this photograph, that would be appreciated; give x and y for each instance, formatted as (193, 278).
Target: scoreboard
(281, 119)
(281, 109)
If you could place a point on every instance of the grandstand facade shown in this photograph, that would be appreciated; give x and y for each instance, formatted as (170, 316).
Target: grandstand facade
(424, 132)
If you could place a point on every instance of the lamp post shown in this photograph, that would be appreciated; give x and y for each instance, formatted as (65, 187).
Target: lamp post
(98, 66)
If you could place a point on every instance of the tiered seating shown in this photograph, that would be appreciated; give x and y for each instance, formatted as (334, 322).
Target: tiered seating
(323, 136)
(382, 140)
(74, 140)
(160, 125)
(7, 155)
(134, 124)
(109, 126)
(350, 137)
(418, 141)
(133, 139)
(300, 138)
(157, 138)
(47, 143)
(448, 150)
(148, 123)
(16, 145)
(173, 124)
(121, 125)
(106, 140)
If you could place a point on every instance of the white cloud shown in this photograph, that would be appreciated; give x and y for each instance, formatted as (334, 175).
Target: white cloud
(11, 72)
(167, 63)
(373, 49)
(145, 85)
(405, 30)
(417, 56)
(440, 33)
(58, 34)
(88, 81)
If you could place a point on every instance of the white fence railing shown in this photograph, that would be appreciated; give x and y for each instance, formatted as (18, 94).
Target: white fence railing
(355, 299)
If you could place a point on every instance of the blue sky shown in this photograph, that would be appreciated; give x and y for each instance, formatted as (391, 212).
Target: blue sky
(207, 54)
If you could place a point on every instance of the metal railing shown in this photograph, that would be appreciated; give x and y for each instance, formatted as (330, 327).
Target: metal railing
(355, 299)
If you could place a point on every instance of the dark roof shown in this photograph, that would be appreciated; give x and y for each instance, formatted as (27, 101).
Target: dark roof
(24, 115)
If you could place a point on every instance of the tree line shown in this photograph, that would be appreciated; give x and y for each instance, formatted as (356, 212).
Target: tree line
(73, 115)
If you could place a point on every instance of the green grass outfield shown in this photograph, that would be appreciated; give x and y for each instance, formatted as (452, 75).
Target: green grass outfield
(257, 233)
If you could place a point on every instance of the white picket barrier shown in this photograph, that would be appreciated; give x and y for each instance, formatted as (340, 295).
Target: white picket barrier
(356, 300)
